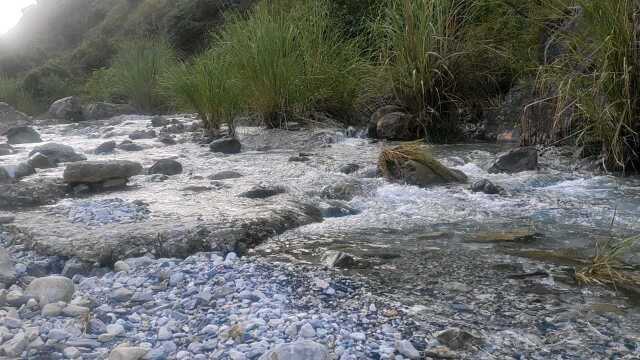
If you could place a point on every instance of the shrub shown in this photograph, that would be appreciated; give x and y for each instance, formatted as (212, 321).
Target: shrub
(429, 63)
(595, 81)
(135, 75)
(207, 87)
(290, 57)
(46, 84)
(12, 92)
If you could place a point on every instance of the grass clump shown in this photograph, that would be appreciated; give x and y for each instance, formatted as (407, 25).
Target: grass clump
(607, 267)
(290, 57)
(135, 75)
(595, 81)
(392, 160)
(207, 87)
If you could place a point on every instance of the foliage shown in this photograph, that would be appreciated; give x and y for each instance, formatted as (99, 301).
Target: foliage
(135, 75)
(607, 267)
(595, 82)
(290, 57)
(12, 92)
(207, 87)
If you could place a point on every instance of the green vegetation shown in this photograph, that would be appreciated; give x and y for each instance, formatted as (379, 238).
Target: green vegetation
(135, 75)
(595, 82)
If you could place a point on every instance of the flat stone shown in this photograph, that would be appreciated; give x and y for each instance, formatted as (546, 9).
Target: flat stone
(128, 353)
(301, 350)
(88, 172)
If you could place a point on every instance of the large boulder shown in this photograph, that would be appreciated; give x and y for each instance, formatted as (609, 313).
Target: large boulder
(166, 167)
(103, 110)
(518, 160)
(51, 289)
(58, 153)
(69, 109)
(300, 350)
(94, 172)
(22, 135)
(10, 117)
(7, 269)
(226, 146)
(30, 193)
(413, 165)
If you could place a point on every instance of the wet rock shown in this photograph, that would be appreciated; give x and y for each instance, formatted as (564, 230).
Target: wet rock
(226, 146)
(19, 171)
(339, 259)
(301, 350)
(69, 109)
(92, 172)
(167, 139)
(142, 134)
(5, 177)
(103, 110)
(128, 353)
(397, 126)
(263, 191)
(22, 135)
(159, 121)
(458, 339)
(7, 268)
(225, 175)
(41, 161)
(413, 165)
(487, 187)
(6, 149)
(6, 219)
(128, 145)
(349, 168)
(167, 167)
(106, 148)
(58, 153)
(336, 208)
(299, 159)
(72, 310)
(345, 190)
(518, 160)
(10, 117)
(372, 128)
(30, 193)
(51, 289)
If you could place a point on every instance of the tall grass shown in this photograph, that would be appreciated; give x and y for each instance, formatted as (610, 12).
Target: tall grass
(207, 86)
(135, 75)
(290, 57)
(595, 82)
(13, 93)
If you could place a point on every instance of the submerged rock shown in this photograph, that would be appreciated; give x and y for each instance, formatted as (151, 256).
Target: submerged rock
(69, 109)
(413, 165)
(226, 146)
(349, 168)
(22, 135)
(92, 172)
(301, 350)
(487, 187)
(345, 189)
(522, 159)
(263, 192)
(58, 153)
(167, 167)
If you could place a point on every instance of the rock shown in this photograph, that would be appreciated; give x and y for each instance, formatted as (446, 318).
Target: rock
(167, 167)
(336, 208)
(41, 161)
(345, 190)
(301, 350)
(128, 353)
(121, 294)
(14, 347)
(6, 149)
(30, 193)
(142, 134)
(22, 135)
(167, 139)
(307, 331)
(159, 121)
(5, 177)
(75, 311)
(406, 348)
(103, 110)
(7, 268)
(121, 266)
(75, 266)
(332, 258)
(10, 117)
(58, 153)
(72, 352)
(93, 172)
(299, 159)
(487, 187)
(225, 175)
(51, 289)
(457, 339)
(516, 235)
(398, 126)
(69, 109)
(413, 165)
(18, 171)
(521, 159)
(263, 192)
(128, 145)
(6, 219)
(53, 309)
(349, 168)
(372, 128)
(106, 148)
(226, 146)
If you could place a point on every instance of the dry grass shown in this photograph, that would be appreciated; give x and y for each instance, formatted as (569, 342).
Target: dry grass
(607, 267)
(391, 160)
